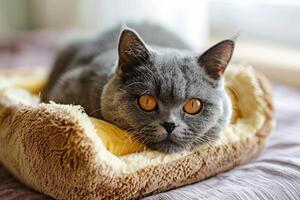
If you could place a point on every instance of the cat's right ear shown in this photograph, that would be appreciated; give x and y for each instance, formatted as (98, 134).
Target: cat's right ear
(216, 59)
(132, 50)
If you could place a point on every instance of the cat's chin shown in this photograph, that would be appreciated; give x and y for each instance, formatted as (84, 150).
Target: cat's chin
(166, 146)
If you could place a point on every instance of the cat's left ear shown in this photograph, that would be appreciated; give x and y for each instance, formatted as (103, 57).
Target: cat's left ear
(216, 59)
(132, 50)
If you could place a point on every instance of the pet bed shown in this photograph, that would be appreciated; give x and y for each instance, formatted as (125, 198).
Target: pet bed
(59, 151)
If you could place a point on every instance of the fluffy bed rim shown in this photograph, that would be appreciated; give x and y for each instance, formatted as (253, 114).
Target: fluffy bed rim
(62, 160)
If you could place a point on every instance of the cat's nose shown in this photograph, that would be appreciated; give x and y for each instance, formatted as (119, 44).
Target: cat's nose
(169, 126)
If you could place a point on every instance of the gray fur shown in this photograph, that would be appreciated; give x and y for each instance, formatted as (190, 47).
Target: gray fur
(90, 74)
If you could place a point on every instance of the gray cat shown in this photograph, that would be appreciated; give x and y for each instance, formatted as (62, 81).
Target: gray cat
(165, 95)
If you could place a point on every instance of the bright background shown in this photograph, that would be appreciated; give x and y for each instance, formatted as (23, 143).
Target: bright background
(273, 20)
(269, 30)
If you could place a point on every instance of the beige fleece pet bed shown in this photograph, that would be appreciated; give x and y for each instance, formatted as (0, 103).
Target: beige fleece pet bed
(57, 150)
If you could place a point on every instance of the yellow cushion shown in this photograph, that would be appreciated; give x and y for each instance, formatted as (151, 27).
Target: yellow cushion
(115, 139)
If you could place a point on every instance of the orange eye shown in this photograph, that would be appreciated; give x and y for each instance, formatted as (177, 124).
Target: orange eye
(192, 106)
(147, 102)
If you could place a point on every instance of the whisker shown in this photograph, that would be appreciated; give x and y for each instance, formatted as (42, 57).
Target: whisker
(94, 111)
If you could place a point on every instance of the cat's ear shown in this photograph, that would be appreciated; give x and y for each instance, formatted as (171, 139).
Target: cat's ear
(132, 50)
(216, 59)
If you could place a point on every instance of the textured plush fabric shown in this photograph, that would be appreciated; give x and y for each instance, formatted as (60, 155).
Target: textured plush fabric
(55, 149)
(276, 169)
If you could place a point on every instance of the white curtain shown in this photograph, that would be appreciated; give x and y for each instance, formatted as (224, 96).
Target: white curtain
(188, 18)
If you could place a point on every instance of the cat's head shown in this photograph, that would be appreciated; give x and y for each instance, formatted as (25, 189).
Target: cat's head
(169, 99)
